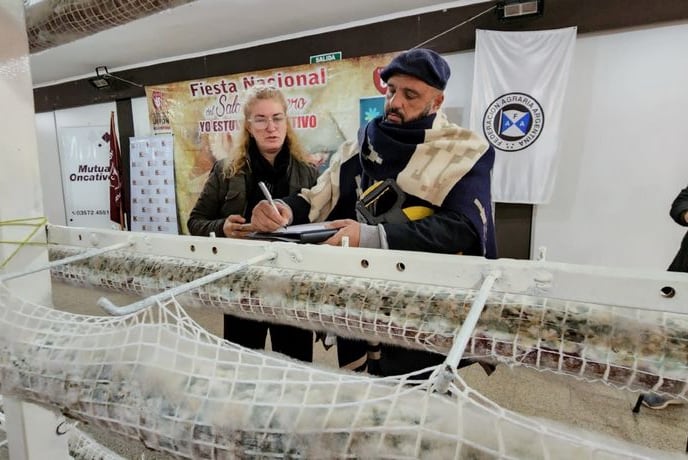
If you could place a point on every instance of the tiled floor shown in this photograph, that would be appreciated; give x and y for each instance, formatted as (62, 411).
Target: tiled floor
(595, 407)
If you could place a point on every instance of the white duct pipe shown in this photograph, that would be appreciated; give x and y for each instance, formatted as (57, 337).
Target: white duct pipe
(51, 23)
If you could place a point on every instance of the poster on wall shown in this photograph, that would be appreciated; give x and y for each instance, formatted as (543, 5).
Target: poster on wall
(151, 166)
(85, 167)
(326, 103)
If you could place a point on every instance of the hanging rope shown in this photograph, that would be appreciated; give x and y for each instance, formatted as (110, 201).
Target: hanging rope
(36, 222)
(454, 28)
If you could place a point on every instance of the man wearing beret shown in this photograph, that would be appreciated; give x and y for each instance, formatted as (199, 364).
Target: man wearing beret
(429, 180)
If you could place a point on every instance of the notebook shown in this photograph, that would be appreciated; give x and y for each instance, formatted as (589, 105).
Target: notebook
(304, 233)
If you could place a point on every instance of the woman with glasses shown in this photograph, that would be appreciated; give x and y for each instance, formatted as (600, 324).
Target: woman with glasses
(266, 150)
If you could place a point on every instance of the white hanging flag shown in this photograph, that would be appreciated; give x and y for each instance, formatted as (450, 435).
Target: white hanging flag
(518, 95)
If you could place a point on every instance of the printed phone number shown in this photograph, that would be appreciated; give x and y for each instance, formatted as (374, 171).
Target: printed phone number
(90, 212)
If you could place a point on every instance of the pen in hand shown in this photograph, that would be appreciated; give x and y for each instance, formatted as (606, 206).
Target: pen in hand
(266, 192)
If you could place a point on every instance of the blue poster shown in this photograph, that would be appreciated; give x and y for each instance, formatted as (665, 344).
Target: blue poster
(370, 107)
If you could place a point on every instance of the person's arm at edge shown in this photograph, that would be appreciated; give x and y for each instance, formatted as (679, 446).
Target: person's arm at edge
(679, 208)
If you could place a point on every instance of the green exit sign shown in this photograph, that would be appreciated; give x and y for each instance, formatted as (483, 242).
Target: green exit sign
(327, 57)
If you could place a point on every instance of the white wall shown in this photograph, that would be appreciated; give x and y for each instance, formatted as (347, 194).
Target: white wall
(623, 156)
(458, 95)
(142, 126)
(51, 179)
(48, 125)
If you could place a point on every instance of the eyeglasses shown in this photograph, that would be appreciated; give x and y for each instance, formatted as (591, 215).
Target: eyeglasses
(262, 122)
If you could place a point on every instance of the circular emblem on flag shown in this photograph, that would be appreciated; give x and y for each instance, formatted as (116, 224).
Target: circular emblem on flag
(513, 121)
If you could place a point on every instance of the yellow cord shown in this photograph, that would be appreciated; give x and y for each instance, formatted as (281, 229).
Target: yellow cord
(36, 222)
(24, 222)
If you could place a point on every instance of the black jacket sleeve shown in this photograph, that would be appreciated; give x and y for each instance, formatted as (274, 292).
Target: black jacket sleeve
(445, 232)
(206, 215)
(300, 209)
(679, 207)
(306, 177)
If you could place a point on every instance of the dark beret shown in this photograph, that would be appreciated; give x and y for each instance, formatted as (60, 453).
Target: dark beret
(421, 63)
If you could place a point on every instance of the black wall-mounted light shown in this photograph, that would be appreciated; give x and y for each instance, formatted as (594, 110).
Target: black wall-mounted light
(103, 77)
(510, 9)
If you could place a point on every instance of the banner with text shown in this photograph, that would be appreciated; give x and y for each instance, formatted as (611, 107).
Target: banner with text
(518, 97)
(85, 163)
(324, 103)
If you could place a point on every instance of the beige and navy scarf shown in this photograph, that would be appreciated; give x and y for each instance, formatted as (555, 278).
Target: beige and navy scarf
(431, 159)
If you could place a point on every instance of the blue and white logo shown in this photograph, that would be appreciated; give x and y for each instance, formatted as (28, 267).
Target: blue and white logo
(513, 121)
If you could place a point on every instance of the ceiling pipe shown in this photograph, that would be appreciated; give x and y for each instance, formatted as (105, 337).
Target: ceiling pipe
(51, 23)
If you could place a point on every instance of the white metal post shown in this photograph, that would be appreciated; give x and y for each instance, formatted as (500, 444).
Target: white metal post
(34, 432)
(31, 430)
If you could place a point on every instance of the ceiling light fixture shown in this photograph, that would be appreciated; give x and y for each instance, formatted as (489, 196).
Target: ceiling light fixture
(510, 9)
(103, 77)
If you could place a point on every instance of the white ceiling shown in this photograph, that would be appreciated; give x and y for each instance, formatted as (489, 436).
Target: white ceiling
(210, 26)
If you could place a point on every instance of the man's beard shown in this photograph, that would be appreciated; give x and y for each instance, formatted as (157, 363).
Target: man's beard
(426, 111)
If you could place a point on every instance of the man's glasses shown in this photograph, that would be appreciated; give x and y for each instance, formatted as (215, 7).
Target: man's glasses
(263, 122)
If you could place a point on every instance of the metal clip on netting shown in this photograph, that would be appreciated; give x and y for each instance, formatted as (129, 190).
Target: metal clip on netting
(81, 444)
(66, 260)
(444, 375)
(114, 310)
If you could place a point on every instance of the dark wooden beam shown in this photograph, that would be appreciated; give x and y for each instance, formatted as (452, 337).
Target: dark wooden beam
(513, 228)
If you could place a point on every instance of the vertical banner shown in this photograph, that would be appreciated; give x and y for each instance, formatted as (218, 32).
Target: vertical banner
(326, 102)
(85, 164)
(116, 207)
(518, 93)
(153, 204)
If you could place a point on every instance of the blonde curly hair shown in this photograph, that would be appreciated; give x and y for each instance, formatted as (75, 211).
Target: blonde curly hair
(239, 153)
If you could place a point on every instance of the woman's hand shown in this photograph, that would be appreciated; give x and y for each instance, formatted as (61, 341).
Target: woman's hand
(265, 219)
(235, 226)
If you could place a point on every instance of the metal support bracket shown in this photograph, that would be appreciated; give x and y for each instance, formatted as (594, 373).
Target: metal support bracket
(114, 310)
(443, 377)
(66, 260)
